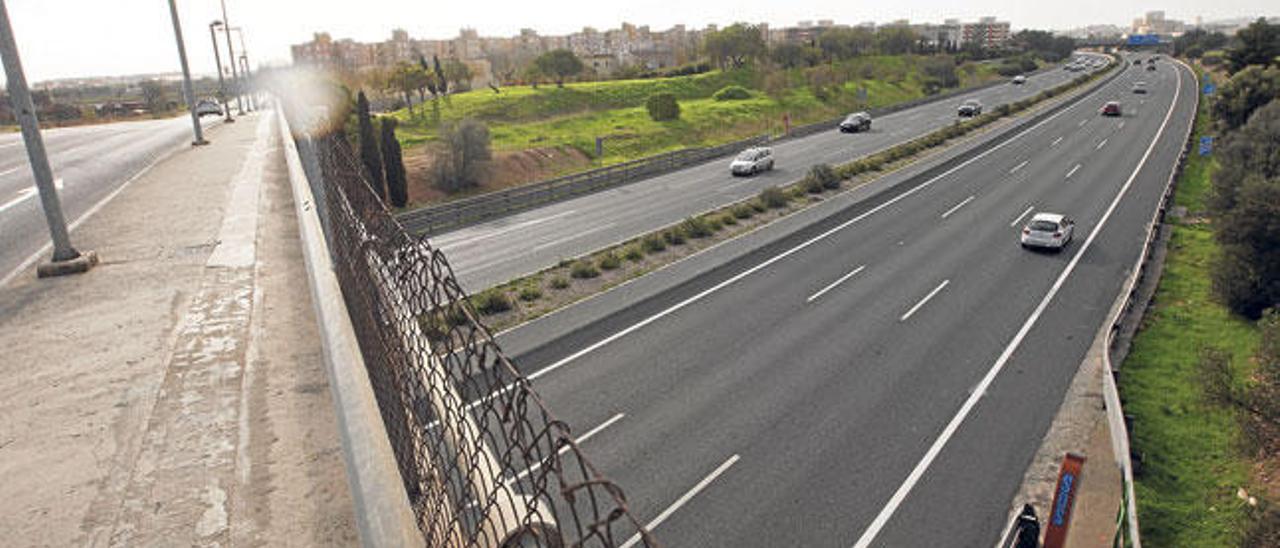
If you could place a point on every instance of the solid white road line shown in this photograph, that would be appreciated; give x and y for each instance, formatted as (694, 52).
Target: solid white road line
(571, 238)
(772, 260)
(1024, 214)
(1083, 122)
(681, 501)
(900, 495)
(842, 279)
(580, 440)
(1018, 167)
(445, 243)
(25, 194)
(1073, 171)
(956, 207)
(1100, 145)
(922, 302)
(1055, 142)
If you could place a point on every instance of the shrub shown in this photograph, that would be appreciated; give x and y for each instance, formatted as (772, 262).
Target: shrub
(1004, 109)
(583, 270)
(812, 185)
(773, 197)
(728, 219)
(697, 227)
(743, 211)
(674, 236)
(437, 324)
(633, 254)
(713, 222)
(758, 206)
(653, 243)
(663, 106)
(491, 301)
(732, 93)
(609, 261)
(559, 283)
(530, 293)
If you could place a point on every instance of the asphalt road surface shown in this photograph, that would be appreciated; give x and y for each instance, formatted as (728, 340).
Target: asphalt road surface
(884, 377)
(493, 252)
(91, 162)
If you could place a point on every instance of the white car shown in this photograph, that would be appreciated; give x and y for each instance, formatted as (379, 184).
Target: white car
(206, 107)
(752, 161)
(1048, 231)
(1020, 79)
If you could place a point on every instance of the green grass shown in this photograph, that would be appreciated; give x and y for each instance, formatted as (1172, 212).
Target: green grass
(1193, 464)
(522, 117)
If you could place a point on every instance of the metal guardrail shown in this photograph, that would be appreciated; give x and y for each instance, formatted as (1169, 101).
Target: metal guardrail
(433, 219)
(467, 452)
(1111, 395)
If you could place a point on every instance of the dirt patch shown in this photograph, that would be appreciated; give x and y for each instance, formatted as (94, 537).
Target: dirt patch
(510, 168)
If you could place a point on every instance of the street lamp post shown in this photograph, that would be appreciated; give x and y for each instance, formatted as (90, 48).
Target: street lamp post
(66, 260)
(244, 67)
(231, 58)
(187, 93)
(217, 57)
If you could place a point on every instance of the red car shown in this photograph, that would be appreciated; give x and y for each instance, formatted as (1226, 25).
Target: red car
(1112, 108)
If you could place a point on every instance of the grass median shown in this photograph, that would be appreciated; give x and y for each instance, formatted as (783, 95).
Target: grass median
(574, 279)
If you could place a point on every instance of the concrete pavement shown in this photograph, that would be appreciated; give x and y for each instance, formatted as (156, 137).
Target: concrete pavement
(175, 395)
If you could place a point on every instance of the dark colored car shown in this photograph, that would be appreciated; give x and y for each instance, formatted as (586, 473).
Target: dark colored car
(970, 108)
(1151, 67)
(853, 123)
(1112, 108)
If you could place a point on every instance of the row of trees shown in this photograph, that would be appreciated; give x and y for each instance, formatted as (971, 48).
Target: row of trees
(381, 155)
(1255, 45)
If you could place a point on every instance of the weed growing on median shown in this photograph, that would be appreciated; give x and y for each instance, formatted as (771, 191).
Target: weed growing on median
(583, 270)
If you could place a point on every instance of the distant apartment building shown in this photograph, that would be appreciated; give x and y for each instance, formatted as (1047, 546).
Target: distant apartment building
(987, 32)
(1154, 22)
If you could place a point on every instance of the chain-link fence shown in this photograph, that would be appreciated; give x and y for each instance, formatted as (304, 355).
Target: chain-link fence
(483, 461)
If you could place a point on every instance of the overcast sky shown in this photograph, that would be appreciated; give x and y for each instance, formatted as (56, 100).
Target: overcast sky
(68, 38)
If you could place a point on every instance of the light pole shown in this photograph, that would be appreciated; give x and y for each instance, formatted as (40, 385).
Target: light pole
(217, 57)
(244, 67)
(66, 260)
(231, 58)
(186, 77)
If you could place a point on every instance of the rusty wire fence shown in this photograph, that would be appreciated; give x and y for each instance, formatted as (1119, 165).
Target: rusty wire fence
(483, 461)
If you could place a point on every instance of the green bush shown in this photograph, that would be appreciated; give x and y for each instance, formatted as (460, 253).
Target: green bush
(732, 93)
(436, 325)
(653, 243)
(825, 176)
(559, 283)
(530, 293)
(491, 301)
(758, 206)
(773, 197)
(811, 185)
(674, 236)
(583, 270)
(728, 219)
(713, 222)
(743, 211)
(663, 106)
(696, 227)
(634, 253)
(609, 261)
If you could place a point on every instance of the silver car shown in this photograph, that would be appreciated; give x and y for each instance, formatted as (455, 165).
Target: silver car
(752, 161)
(1048, 231)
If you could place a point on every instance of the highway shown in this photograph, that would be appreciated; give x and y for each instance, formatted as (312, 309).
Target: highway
(884, 376)
(493, 252)
(91, 162)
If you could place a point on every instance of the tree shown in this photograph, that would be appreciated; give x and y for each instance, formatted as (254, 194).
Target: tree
(393, 162)
(442, 83)
(663, 106)
(428, 79)
(1259, 44)
(458, 73)
(152, 95)
(559, 65)
(465, 155)
(1195, 42)
(895, 40)
(1247, 91)
(735, 45)
(789, 55)
(405, 78)
(846, 43)
(370, 155)
(940, 73)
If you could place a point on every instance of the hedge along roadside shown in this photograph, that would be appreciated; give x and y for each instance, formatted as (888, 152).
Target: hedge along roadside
(746, 215)
(434, 219)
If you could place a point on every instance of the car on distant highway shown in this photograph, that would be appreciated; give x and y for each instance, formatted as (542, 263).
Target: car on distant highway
(1112, 108)
(752, 161)
(853, 123)
(205, 107)
(1019, 79)
(1139, 87)
(1137, 62)
(970, 108)
(1048, 231)
(1151, 67)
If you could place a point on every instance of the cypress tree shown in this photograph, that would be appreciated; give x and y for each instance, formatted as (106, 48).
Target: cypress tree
(370, 155)
(397, 187)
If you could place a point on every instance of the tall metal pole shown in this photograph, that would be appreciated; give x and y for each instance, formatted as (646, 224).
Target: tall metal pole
(186, 77)
(231, 58)
(222, 85)
(244, 68)
(25, 111)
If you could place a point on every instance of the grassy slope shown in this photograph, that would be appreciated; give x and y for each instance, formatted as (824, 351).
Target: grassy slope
(1192, 467)
(521, 117)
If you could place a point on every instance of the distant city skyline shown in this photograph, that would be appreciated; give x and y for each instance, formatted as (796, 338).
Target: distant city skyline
(84, 38)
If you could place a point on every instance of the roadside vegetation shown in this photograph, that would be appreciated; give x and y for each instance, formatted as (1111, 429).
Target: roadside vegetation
(1202, 382)
(548, 118)
(577, 278)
